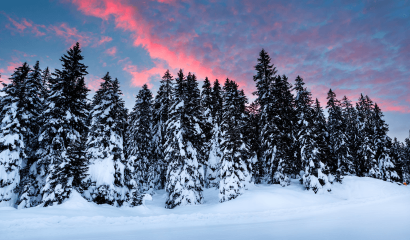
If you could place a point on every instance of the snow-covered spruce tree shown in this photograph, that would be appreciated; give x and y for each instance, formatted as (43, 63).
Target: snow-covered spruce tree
(12, 132)
(252, 136)
(406, 161)
(109, 177)
(304, 124)
(235, 165)
(45, 80)
(183, 148)
(206, 107)
(397, 155)
(63, 123)
(162, 105)
(317, 172)
(247, 127)
(336, 130)
(206, 104)
(382, 147)
(264, 78)
(214, 157)
(139, 142)
(365, 156)
(285, 163)
(217, 100)
(33, 105)
(351, 132)
(196, 121)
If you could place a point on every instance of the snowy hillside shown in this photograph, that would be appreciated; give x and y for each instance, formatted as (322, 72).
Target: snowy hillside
(360, 208)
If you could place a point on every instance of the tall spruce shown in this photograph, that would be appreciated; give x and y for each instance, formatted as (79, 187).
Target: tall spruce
(365, 156)
(383, 166)
(33, 106)
(351, 132)
(335, 127)
(317, 175)
(252, 136)
(264, 78)
(304, 124)
(235, 166)
(183, 146)
(206, 105)
(12, 135)
(216, 102)
(140, 143)
(406, 161)
(215, 154)
(397, 157)
(109, 177)
(64, 122)
(162, 106)
(284, 164)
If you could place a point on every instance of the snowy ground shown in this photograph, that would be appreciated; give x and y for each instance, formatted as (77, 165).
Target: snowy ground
(360, 208)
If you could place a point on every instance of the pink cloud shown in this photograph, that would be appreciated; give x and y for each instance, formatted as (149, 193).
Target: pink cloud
(93, 82)
(3, 78)
(13, 65)
(104, 40)
(63, 30)
(71, 35)
(334, 49)
(128, 18)
(141, 77)
(19, 26)
(111, 51)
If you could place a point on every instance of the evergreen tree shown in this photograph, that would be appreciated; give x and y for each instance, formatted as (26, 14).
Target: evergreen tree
(162, 105)
(183, 146)
(284, 164)
(397, 156)
(216, 102)
(215, 153)
(335, 127)
(45, 81)
(304, 123)
(351, 132)
(382, 164)
(33, 106)
(264, 78)
(64, 121)
(317, 175)
(235, 166)
(139, 139)
(12, 132)
(365, 155)
(206, 108)
(110, 175)
(406, 161)
(252, 136)
(206, 104)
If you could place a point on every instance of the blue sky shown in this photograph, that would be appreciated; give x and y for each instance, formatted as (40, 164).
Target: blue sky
(352, 47)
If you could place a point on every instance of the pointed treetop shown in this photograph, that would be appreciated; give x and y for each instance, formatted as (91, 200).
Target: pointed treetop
(167, 76)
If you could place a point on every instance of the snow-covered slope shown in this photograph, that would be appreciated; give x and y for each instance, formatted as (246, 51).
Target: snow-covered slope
(360, 208)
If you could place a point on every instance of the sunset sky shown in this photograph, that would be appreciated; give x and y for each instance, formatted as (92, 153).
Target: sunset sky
(352, 46)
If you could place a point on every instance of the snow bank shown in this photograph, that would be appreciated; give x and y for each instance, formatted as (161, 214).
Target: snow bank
(360, 208)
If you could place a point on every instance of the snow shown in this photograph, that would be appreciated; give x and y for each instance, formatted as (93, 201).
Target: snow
(360, 208)
(102, 171)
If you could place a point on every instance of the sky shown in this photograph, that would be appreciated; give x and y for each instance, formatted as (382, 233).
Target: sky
(350, 46)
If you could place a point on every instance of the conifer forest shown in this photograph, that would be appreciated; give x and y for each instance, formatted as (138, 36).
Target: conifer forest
(185, 138)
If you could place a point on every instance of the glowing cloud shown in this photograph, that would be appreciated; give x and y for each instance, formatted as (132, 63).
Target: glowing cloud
(111, 51)
(127, 17)
(63, 30)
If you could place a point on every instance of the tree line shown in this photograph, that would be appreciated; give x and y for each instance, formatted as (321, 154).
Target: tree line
(54, 140)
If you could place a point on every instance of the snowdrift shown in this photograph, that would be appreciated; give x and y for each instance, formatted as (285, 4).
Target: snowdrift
(360, 208)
